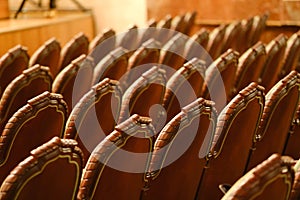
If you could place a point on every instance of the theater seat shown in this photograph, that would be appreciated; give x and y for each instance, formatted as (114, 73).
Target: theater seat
(48, 54)
(184, 87)
(171, 54)
(141, 61)
(196, 44)
(51, 171)
(274, 55)
(250, 65)
(33, 81)
(271, 179)
(95, 115)
(113, 66)
(235, 131)
(179, 154)
(12, 63)
(291, 55)
(145, 97)
(277, 119)
(116, 167)
(219, 79)
(215, 42)
(42, 118)
(74, 80)
(76, 46)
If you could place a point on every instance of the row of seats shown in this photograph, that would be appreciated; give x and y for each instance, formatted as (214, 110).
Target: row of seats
(184, 121)
(197, 135)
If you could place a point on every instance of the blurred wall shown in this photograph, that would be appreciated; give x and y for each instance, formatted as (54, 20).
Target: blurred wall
(220, 10)
(116, 14)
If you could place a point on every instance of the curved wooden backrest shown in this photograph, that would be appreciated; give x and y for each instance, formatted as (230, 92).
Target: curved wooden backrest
(236, 129)
(219, 79)
(189, 20)
(147, 53)
(257, 28)
(145, 92)
(113, 66)
(31, 82)
(129, 38)
(95, 115)
(244, 39)
(74, 80)
(78, 45)
(195, 46)
(42, 118)
(184, 87)
(291, 55)
(171, 54)
(163, 34)
(102, 44)
(149, 32)
(178, 23)
(12, 64)
(295, 192)
(51, 171)
(48, 54)
(292, 147)
(232, 36)
(277, 118)
(142, 60)
(188, 137)
(115, 169)
(215, 42)
(250, 66)
(275, 53)
(101, 37)
(271, 179)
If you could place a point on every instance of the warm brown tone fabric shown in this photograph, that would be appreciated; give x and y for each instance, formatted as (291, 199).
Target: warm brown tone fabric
(149, 32)
(78, 45)
(171, 54)
(95, 115)
(292, 147)
(291, 55)
(275, 53)
(236, 128)
(51, 171)
(127, 147)
(163, 34)
(277, 118)
(145, 96)
(189, 21)
(178, 157)
(271, 179)
(184, 87)
(196, 44)
(245, 41)
(215, 42)
(129, 38)
(102, 44)
(219, 79)
(113, 66)
(42, 118)
(178, 23)
(250, 65)
(12, 64)
(142, 60)
(32, 82)
(74, 80)
(295, 193)
(232, 36)
(48, 54)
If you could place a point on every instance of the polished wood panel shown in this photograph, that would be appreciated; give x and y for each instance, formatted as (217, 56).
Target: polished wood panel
(32, 30)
